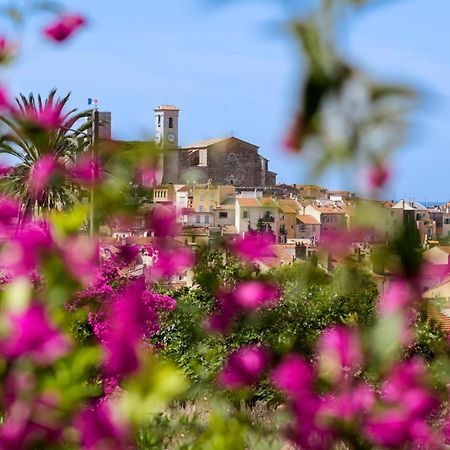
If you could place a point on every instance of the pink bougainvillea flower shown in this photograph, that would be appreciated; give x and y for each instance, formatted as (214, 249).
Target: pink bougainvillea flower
(251, 295)
(293, 139)
(378, 175)
(5, 170)
(163, 221)
(5, 103)
(350, 405)
(127, 254)
(294, 376)
(255, 245)
(246, 296)
(21, 253)
(339, 352)
(45, 117)
(171, 262)
(244, 367)
(396, 297)
(388, 428)
(81, 256)
(41, 174)
(306, 431)
(87, 170)
(222, 320)
(9, 211)
(339, 242)
(64, 27)
(132, 317)
(34, 336)
(101, 429)
(149, 176)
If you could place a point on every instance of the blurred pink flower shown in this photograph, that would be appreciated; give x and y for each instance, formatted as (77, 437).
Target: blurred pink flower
(388, 428)
(41, 174)
(22, 252)
(398, 296)
(49, 116)
(81, 255)
(149, 176)
(294, 376)
(378, 175)
(132, 317)
(64, 27)
(171, 261)
(101, 429)
(246, 296)
(339, 352)
(293, 139)
(339, 242)
(87, 170)
(251, 295)
(9, 211)
(33, 335)
(5, 103)
(163, 221)
(244, 367)
(254, 245)
(350, 405)
(222, 320)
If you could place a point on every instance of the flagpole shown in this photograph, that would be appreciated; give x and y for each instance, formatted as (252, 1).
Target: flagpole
(94, 152)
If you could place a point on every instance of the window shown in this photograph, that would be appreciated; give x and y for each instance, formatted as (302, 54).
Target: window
(170, 122)
(211, 197)
(447, 221)
(200, 208)
(210, 208)
(197, 219)
(245, 214)
(206, 219)
(223, 215)
(202, 197)
(159, 120)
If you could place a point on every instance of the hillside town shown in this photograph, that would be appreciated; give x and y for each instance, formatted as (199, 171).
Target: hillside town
(221, 189)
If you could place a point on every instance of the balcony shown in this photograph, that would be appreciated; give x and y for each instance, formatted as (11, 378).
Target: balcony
(268, 219)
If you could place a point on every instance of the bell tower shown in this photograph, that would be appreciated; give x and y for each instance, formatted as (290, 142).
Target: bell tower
(166, 126)
(166, 140)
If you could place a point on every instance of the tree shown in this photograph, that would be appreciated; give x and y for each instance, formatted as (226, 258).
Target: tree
(40, 131)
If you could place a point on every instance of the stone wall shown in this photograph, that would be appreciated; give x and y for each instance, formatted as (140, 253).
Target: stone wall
(230, 161)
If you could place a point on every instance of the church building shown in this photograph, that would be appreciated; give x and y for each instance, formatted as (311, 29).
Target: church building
(221, 161)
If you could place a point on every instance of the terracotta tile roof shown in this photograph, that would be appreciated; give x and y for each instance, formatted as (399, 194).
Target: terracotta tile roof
(308, 220)
(205, 143)
(209, 142)
(288, 205)
(440, 315)
(268, 202)
(328, 209)
(248, 202)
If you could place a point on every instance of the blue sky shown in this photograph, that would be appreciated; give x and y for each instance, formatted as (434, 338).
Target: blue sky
(231, 69)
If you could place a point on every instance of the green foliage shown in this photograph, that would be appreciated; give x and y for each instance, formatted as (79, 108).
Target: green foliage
(27, 144)
(311, 301)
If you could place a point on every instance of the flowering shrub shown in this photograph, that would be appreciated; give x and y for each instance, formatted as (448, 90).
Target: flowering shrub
(92, 356)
